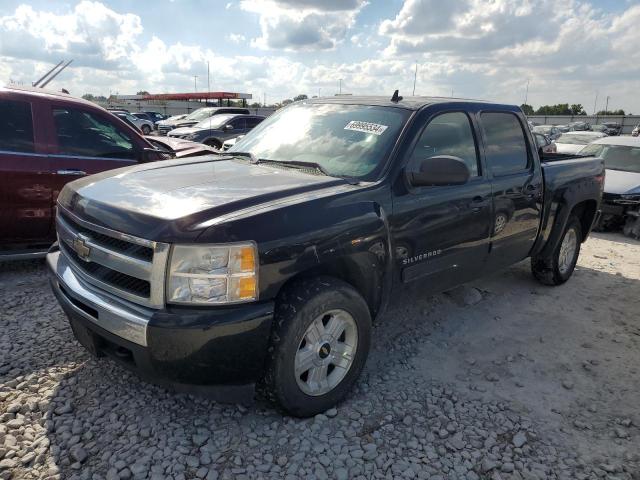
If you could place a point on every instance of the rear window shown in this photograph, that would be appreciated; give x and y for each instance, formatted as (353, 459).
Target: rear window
(506, 148)
(16, 127)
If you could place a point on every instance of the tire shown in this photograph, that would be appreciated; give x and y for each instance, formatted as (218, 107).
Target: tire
(145, 129)
(212, 142)
(560, 266)
(305, 304)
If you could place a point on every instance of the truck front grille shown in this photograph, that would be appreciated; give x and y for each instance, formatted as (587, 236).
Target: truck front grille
(126, 266)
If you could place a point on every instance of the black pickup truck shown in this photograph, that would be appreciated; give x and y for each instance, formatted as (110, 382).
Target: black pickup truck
(266, 264)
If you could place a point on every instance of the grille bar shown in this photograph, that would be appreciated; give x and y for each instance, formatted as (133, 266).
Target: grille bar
(129, 267)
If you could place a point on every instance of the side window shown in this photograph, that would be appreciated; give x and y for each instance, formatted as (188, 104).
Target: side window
(82, 133)
(238, 123)
(448, 134)
(506, 148)
(16, 127)
(252, 122)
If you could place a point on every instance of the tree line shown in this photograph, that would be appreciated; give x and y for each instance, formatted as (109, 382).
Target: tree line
(564, 109)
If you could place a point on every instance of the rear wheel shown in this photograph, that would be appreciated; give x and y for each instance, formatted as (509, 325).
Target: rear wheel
(559, 267)
(319, 345)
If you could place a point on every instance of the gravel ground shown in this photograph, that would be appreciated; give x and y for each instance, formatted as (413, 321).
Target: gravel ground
(500, 379)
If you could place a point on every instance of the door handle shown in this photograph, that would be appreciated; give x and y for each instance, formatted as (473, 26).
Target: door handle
(477, 203)
(71, 172)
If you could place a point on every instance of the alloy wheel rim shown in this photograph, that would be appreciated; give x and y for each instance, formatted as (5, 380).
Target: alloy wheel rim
(567, 251)
(326, 352)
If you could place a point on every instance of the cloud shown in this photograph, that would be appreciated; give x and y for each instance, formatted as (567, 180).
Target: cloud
(236, 38)
(303, 24)
(92, 34)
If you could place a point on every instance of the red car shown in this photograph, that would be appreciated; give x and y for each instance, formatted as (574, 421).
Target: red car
(48, 139)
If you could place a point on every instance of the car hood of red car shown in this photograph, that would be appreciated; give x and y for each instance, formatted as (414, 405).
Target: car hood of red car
(182, 148)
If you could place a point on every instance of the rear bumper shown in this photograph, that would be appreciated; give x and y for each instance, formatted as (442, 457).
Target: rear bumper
(187, 348)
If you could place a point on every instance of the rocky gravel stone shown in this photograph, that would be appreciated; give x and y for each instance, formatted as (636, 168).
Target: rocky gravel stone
(67, 415)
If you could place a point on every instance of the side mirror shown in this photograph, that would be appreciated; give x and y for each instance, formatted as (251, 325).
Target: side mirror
(440, 171)
(228, 127)
(152, 154)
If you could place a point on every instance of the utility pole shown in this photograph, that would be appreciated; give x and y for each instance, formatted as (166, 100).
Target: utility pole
(526, 94)
(208, 79)
(319, 90)
(415, 76)
(195, 83)
(264, 99)
(340, 87)
(595, 107)
(606, 108)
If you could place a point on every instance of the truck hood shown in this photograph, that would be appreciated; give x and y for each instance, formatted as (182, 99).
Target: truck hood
(168, 199)
(619, 182)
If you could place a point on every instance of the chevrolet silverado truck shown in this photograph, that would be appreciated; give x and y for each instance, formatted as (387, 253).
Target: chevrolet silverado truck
(266, 264)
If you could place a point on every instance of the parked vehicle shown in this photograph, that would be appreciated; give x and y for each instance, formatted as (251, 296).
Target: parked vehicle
(215, 130)
(164, 126)
(145, 126)
(46, 140)
(545, 143)
(201, 114)
(270, 261)
(156, 117)
(230, 143)
(636, 131)
(548, 130)
(572, 142)
(563, 128)
(600, 129)
(621, 198)
(579, 127)
(612, 128)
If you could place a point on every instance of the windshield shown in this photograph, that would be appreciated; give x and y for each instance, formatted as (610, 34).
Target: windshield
(217, 121)
(345, 140)
(616, 157)
(576, 139)
(199, 114)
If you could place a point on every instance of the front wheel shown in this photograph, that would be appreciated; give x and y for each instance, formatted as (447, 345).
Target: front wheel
(319, 345)
(559, 267)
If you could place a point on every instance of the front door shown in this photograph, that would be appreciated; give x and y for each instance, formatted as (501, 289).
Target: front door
(25, 183)
(85, 143)
(441, 234)
(517, 188)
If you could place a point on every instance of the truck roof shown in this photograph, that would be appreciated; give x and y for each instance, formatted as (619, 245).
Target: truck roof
(408, 103)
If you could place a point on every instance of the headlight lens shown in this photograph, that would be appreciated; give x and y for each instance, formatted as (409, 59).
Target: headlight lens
(190, 136)
(213, 274)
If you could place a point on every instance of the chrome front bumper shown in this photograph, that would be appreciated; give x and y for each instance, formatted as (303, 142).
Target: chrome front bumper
(121, 318)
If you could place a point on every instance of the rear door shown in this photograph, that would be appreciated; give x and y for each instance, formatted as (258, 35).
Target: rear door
(517, 187)
(441, 233)
(85, 141)
(25, 189)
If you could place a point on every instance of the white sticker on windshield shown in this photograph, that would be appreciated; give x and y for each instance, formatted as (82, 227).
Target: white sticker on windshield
(366, 127)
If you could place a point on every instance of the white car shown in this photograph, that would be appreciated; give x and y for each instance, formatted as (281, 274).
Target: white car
(573, 142)
(230, 143)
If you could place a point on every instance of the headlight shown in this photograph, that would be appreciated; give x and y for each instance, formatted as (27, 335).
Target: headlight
(213, 274)
(191, 136)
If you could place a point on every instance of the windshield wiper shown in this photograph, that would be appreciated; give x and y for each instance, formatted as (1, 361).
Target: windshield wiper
(298, 164)
(250, 155)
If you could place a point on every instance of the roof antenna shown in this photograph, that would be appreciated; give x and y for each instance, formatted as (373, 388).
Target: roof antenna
(396, 98)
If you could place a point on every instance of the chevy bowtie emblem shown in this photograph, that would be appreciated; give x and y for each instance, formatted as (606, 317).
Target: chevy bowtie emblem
(81, 248)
